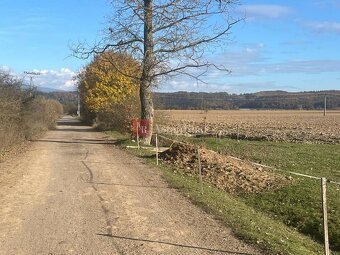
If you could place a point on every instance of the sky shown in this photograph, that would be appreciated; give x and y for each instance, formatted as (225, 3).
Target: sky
(279, 45)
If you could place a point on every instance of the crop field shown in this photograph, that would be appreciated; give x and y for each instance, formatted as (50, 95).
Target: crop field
(270, 125)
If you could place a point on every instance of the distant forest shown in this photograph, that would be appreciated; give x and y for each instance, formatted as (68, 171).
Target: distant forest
(224, 101)
(259, 100)
(67, 99)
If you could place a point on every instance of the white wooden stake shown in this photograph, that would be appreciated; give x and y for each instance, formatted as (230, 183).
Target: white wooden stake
(325, 216)
(238, 133)
(200, 169)
(157, 149)
(325, 106)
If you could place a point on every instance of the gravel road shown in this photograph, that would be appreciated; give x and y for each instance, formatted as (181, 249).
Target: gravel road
(73, 192)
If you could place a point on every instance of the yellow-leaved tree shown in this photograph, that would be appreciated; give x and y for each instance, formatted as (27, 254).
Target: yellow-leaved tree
(109, 93)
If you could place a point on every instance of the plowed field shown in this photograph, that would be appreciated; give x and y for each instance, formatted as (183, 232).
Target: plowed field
(290, 126)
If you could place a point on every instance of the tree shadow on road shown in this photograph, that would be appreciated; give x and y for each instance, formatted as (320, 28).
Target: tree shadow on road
(69, 129)
(129, 185)
(76, 141)
(174, 244)
(69, 122)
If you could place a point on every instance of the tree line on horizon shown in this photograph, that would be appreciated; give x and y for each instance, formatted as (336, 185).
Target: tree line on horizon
(276, 100)
(183, 100)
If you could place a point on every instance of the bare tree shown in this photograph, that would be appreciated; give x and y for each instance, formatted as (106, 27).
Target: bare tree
(168, 37)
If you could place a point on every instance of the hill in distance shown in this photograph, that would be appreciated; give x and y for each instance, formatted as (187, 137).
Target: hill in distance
(183, 100)
(260, 100)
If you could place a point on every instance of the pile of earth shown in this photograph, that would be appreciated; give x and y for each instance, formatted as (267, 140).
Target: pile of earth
(224, 172)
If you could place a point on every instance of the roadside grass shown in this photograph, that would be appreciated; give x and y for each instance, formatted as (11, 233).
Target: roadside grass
(250, 223)
(119, 137)
(297, 205)
(252, 226)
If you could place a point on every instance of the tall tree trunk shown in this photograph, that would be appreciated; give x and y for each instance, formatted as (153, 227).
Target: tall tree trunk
(147, 111)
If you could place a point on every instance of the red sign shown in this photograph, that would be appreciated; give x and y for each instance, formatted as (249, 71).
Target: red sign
(140, 127)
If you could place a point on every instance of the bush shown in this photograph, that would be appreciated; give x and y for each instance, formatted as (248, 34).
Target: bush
(39, 115)
(10, 111)
(22, 115)
(119, 116)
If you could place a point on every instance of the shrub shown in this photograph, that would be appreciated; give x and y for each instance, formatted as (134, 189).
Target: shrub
(39, 115)
(22, 115)
(119, 116)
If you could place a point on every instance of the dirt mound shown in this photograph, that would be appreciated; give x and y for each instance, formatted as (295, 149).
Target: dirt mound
(227, 173)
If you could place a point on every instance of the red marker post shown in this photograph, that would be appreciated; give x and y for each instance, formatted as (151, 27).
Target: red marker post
(140, 128)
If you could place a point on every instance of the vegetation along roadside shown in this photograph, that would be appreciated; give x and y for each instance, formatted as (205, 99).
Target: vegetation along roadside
(23, 114)
(277, 222)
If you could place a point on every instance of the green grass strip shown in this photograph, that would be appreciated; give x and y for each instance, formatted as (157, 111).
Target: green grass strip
(249, 224)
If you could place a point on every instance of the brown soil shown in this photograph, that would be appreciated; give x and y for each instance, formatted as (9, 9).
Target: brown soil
(226, 173)
(287, 126)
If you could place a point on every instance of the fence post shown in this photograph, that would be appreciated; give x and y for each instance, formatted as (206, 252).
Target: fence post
(157, 149)
(238, 133)
(205, 125)
(325, 216)
(200, 169)
(325, 106)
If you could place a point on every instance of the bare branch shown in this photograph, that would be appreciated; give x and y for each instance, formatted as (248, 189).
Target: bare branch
(198, 42)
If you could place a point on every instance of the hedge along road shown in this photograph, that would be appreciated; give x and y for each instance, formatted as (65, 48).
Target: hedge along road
(73, 192)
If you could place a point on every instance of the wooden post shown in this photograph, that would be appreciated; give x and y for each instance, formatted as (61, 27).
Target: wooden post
(157, 149)
(325, 106)
(238, 133)
(200, 169)
(325, 216)
(138, 135)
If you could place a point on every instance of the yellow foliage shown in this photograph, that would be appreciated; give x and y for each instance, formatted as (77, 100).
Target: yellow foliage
(108, 80)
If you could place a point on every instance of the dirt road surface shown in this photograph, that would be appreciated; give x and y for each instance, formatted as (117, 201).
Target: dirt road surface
(75, 193)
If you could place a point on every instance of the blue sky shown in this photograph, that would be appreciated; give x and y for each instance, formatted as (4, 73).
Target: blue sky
(281, 45)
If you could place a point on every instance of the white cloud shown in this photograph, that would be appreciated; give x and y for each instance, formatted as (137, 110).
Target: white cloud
(260, 45)
(5, 68)
(305, 66)
(265, 11)
(57, 79)
(185, 84)
(65, 70)
(249, 50)
(252, 61)
(324, 26)
(69, 84)
(326, 3)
